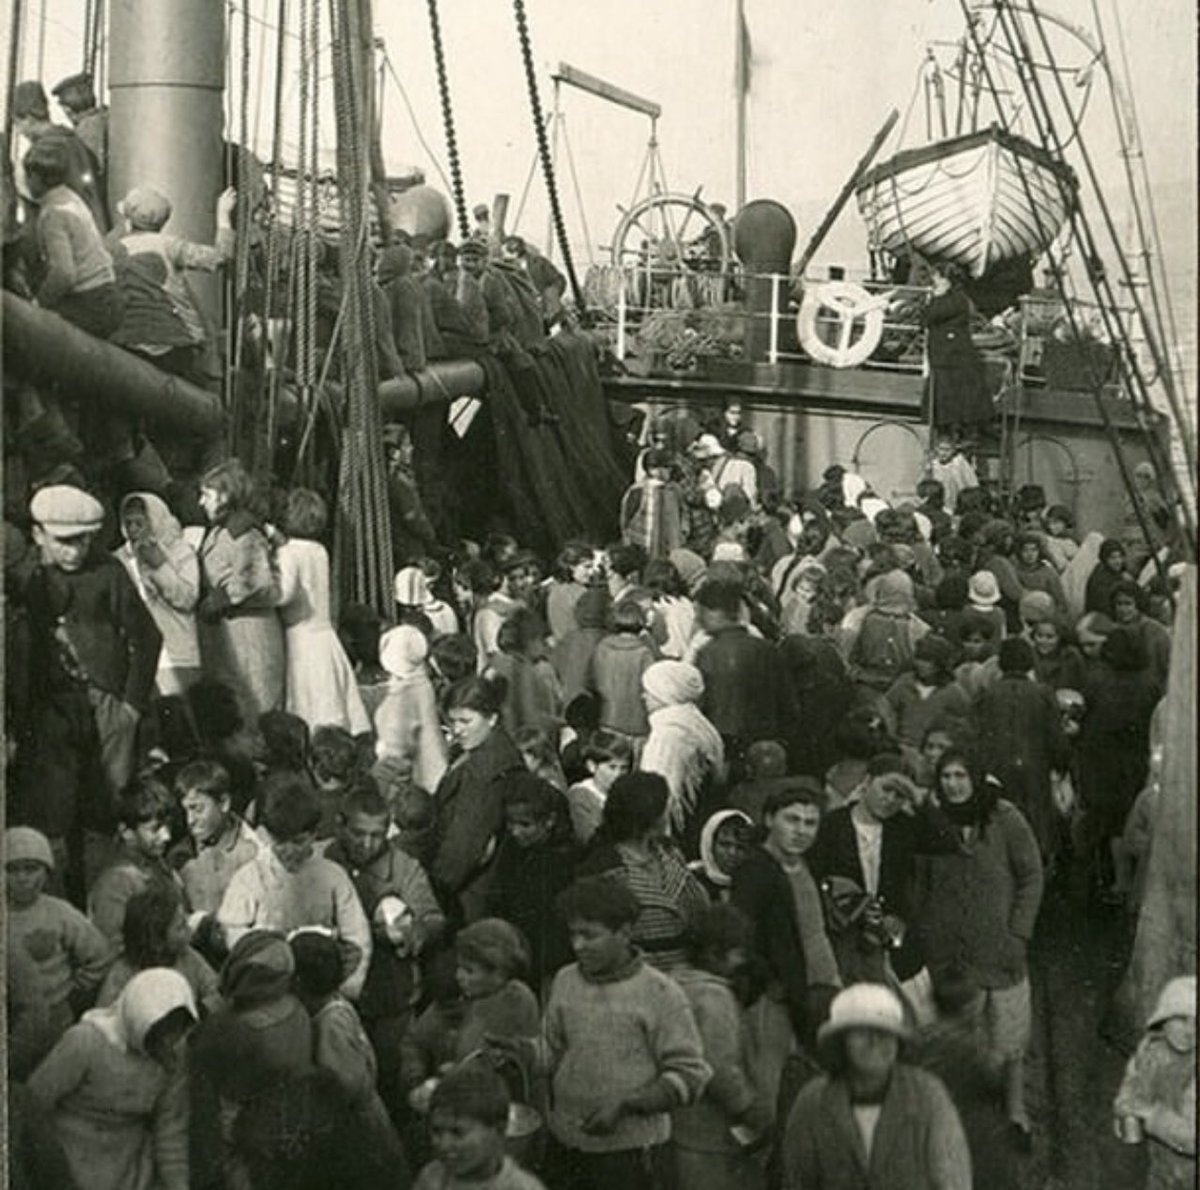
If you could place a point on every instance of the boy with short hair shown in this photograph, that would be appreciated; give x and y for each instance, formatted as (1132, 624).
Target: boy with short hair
(64, 952)
(952, 469)
(219, 842)
(533, 865)
(287, 886)
(468, 1116)
(144, 833)
(405, 918)
(334, 759)
(621, 1046)
(607, 756)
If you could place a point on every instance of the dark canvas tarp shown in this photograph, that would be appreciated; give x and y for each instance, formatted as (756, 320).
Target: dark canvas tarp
(558, 478)
(1165, 945)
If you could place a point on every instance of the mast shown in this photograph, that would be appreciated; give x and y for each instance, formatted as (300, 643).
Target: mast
(742, 84)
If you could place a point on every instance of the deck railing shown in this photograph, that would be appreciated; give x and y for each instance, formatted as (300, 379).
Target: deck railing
(667, 321)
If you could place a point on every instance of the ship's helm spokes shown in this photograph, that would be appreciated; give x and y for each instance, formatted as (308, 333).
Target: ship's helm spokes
(671, 250)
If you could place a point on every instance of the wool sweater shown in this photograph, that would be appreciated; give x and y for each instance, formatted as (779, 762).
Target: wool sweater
(916, 709)
(68, 952)
(263, 894)
(121, 1119)
(116, 885)
(729, 1098)
(918, 1143)
(618, 663)
(606, 1039)
(206, 871)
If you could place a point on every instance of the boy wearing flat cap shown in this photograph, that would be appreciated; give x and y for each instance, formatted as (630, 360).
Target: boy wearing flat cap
(94, 657)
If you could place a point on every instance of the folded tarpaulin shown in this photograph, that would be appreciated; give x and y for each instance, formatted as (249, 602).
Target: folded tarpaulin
(557, 469)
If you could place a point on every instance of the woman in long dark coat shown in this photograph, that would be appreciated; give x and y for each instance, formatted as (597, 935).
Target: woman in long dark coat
(957, 382)
(1020, 737)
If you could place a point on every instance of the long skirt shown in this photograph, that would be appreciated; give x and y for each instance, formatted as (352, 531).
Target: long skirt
(959, 396)
(246, 652)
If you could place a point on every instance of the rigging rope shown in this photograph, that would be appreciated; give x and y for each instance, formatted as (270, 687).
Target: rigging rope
(1061, 280)
(412, 116)
(539, 129)
(456, 183)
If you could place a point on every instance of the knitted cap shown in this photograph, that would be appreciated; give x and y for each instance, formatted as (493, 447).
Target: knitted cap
(145, 208)
(864, 1006)
(260, 967)
(983, 588)
(24, 843)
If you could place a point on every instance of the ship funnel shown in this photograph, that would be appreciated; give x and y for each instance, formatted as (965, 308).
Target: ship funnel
(764, 237)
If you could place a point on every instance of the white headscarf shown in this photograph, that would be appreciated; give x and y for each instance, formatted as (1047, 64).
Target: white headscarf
(402, 651)
(145, 1000)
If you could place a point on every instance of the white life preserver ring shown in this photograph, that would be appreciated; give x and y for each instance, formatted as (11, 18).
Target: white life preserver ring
(850, 305)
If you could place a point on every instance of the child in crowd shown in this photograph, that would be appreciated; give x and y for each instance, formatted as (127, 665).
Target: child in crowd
(405, 920)
(66, 955)
(468, 1116)
(340, 1044)
(288, 886)
(533, 866)
(492, 1002)
(724, 844)
(218, 844)
(572, 653)
(288, 741)
(1157, 1098)
(144, 814)
(617, 667)
(621, 1046)
(261, 1038)
(539, 751)
(360, 628)
(932, 495)
(653, 511)
(978, 640)
(709, 1138)
(1037, 573)
(951, 468)
(928, 692)
(334, 765)
(607, 756)
(766, 765)
(116, 1089)
(155, 934)
(1059, 543)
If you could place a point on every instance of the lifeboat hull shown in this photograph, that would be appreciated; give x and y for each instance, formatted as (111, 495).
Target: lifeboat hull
(972, 201)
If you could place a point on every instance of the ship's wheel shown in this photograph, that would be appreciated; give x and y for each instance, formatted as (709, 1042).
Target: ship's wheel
(671, 251)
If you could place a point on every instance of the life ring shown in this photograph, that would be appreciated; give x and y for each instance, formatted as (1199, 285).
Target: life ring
(850, 304)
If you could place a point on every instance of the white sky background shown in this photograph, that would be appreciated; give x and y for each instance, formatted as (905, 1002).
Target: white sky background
(824, 77)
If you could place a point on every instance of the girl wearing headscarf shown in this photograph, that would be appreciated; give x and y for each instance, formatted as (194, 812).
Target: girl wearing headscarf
(114, 1085)
(683, 746)
(412, 593)
(321, 686)
(406, 723)
(928, 693)
(977, 907)
(166, 572)
(724, 844)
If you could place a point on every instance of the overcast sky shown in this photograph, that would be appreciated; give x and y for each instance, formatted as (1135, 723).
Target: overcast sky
(824, 77)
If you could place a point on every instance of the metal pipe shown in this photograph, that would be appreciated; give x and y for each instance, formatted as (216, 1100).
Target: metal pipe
(42, 347)
(166, 61)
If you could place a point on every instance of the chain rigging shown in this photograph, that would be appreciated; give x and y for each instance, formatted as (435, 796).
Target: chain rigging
(456, 181)
(539, 129)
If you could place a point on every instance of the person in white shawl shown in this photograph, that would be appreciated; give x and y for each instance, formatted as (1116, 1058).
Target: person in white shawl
(406, 724)
(412, 591)
(683, 746)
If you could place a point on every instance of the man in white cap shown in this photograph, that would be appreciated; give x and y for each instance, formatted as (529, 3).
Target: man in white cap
(873, 1120)
(94, 658)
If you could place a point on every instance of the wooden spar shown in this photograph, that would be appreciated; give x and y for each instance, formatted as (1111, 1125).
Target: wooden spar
(596, 86)
(843, 197)
(43, 348)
